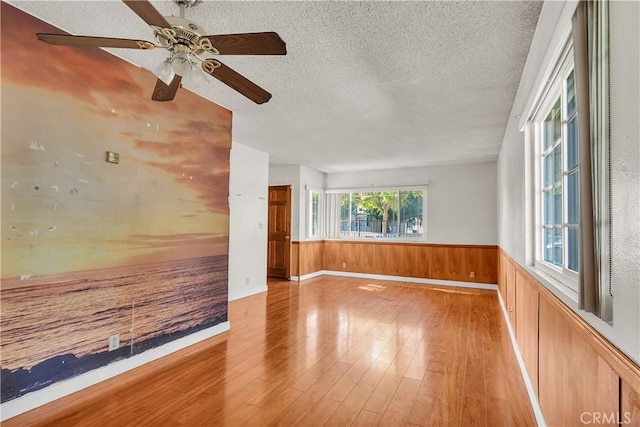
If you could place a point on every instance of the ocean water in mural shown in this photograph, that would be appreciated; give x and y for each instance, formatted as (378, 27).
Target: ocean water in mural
(104, 301)
(92, 249)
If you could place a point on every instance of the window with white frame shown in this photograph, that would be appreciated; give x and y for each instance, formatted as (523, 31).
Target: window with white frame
(314, 214)
(557, 198)
(567, 129)
(377, 214)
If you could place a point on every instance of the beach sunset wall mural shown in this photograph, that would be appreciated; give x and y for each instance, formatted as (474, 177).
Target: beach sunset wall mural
(91, 249)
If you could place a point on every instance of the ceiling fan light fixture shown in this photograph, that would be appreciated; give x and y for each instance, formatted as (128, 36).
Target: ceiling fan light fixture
(181, 63)
(165, 72)
(197, 77)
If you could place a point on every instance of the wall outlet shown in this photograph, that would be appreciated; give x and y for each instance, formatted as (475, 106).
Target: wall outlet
(114, 342)
(472, 274)
(344, 265)
(247, 281)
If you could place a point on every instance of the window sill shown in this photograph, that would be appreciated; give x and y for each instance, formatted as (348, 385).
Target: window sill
(377, 240)
(415, 243)
(570, 299)
(568, 295)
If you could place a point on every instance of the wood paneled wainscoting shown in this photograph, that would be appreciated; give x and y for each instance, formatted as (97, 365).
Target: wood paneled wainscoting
(461, 263)
(307, 257)
(578, 376)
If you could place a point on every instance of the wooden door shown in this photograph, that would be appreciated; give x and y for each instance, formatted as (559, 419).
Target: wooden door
(279, 236)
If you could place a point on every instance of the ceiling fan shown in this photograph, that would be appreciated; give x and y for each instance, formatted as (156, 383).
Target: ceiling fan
(189, 48)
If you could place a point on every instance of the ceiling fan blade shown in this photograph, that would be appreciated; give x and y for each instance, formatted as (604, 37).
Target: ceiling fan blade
(148, 13)
(162, 92)
(86, 41)
(236, 81)
(268, 43)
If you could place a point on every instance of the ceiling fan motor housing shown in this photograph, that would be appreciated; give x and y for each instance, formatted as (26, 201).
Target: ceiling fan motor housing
(183, 32)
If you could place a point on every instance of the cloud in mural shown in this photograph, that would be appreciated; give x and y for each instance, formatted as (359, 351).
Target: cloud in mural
(152, 248)
(212, 187)
(171, 240)
(195, 155)
(67, 70)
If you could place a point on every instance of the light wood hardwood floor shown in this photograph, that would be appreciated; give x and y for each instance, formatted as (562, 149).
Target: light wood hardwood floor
(329, 351)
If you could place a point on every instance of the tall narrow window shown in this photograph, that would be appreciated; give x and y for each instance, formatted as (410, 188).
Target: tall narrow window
(558, 200)
(314, 228)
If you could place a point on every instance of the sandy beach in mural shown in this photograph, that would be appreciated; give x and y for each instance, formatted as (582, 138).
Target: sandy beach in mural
(91, 248)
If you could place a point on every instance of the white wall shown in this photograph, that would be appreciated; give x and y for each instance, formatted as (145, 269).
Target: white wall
(461, 199)
(513, 168)
(248, 186)
(625, 171)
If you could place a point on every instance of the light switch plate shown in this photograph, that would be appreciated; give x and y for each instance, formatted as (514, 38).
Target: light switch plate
(113, 157)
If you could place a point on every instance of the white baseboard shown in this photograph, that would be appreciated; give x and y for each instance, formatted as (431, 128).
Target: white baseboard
(537, 410)
(247, 292)
(60, 389)
(419, 280)
(307, 276)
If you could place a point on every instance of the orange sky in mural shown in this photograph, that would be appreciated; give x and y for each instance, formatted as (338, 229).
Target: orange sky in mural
(72, 71)
(63, 207)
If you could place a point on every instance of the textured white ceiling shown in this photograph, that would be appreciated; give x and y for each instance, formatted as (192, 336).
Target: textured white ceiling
(365, 85)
